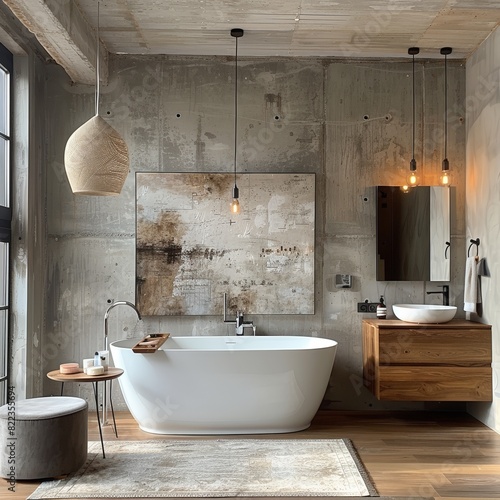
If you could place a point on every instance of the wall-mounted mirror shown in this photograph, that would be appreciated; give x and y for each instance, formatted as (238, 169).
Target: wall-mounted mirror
(413, 234)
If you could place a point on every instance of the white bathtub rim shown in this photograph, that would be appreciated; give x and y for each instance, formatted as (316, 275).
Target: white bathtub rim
(232, 342)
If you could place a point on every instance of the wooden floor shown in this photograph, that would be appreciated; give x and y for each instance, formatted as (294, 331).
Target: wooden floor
(419, 454)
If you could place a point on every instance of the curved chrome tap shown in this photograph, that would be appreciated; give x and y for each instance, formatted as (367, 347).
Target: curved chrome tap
(106, 315)
(106, 399)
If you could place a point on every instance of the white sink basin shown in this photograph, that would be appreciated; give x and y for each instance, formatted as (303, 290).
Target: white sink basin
(424, 313)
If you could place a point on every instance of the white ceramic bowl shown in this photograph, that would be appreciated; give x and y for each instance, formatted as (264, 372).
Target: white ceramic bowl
(424, 313)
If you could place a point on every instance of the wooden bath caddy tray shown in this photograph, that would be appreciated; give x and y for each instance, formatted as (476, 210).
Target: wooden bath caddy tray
(151, 343)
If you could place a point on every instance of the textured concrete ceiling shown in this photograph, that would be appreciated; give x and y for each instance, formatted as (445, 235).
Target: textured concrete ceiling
(351, 28)
(292, 28)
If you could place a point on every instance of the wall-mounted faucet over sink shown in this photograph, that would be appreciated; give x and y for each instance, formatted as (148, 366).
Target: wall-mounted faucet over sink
(446, 294)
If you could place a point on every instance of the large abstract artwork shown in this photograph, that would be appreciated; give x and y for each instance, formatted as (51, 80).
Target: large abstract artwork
(191, 249)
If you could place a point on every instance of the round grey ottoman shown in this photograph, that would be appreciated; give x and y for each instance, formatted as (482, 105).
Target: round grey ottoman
(43, 437)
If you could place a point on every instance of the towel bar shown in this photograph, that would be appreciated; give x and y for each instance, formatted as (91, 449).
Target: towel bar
(474, 242)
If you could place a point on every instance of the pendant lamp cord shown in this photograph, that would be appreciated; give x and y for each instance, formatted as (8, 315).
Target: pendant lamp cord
(235, 106)
(413, 92)
(445, 105)
(97, 64)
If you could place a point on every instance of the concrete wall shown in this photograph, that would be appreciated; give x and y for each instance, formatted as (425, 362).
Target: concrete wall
(28, 244)
(349, 122)
(483, 202)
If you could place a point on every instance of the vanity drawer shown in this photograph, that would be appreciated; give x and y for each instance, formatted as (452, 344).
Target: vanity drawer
(439, 362)
(435, 347)
(436, 383)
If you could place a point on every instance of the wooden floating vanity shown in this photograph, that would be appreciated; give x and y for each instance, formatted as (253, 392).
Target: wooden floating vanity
(427, 362)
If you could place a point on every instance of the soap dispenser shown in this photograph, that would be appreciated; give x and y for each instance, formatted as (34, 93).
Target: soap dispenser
(381, 309)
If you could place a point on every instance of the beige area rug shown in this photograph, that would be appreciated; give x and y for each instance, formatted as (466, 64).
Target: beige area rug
(216, 468)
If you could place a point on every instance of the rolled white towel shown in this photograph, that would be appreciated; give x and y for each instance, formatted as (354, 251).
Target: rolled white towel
(471, 288)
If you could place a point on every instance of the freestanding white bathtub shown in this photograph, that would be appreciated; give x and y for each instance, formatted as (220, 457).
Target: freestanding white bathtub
(226, 384)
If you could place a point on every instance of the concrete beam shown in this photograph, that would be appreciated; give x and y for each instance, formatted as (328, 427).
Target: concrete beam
(10, 44)
(16, 38)
(65, 34)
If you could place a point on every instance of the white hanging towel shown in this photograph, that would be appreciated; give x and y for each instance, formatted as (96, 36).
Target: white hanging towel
(471, 288)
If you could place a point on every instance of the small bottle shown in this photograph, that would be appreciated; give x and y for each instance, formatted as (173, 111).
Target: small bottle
(381, 309)
(97, 360)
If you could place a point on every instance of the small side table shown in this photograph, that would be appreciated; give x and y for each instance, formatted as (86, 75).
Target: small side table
(111, 374)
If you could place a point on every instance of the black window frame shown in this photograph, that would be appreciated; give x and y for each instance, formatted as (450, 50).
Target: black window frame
(7, 65)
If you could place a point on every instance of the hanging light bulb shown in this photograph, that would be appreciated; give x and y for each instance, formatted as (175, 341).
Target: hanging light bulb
(413, 179)
(96, 157)
(235, 204)
(445, 179)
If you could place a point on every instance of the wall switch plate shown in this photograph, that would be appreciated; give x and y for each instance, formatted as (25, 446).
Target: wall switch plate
(367, 307)
(343, 280)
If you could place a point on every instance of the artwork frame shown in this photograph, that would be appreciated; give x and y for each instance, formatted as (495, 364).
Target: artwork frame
(190, 249)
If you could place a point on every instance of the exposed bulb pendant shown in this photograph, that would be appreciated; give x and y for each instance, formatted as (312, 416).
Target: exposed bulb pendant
(235, 204)
(96, 157)
(413, 180)
(445, 179)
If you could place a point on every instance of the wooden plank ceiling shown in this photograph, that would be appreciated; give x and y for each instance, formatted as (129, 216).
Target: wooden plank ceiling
(283, 28)
(345, 28)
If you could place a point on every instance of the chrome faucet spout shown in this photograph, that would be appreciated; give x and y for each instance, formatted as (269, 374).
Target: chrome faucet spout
(106, 315)
(105, 398)
(239, 322)
(240, 330)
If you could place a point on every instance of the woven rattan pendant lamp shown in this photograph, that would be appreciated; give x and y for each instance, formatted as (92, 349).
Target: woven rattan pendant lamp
(96, 157)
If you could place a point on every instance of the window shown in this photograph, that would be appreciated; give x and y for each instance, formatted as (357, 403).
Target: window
(5, 215)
